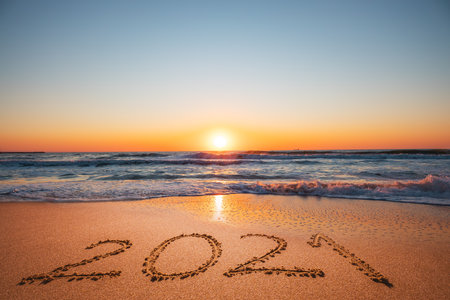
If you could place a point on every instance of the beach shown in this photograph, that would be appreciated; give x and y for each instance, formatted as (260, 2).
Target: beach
(181, 247)
(224, 150)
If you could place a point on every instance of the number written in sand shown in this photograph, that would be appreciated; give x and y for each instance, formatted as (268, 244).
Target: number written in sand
(247, 267)
(59, 273)
(155, 275)
(360, 264)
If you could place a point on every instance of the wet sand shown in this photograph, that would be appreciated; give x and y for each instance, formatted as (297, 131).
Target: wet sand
(226, 247)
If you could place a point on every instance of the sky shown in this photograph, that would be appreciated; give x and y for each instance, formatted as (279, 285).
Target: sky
(267, 75)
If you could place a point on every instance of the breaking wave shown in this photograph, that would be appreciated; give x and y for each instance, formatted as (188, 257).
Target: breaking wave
(432, 189)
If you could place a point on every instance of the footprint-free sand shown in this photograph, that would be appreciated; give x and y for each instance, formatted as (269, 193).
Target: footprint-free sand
(225, 247)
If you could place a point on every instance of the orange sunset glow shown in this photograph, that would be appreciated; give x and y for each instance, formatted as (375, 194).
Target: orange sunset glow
(234, 139)
(173, 83)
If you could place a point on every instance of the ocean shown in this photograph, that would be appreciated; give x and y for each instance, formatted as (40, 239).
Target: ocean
(414, 176)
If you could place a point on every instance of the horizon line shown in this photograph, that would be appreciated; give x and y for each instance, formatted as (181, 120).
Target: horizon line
(260, 150)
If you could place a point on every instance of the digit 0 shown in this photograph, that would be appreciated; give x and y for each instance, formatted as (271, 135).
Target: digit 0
(155, 275)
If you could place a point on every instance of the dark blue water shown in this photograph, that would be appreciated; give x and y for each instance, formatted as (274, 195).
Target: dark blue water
(419, 176)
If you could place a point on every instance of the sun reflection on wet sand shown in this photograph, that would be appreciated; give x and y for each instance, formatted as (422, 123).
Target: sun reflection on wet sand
(218, 201)
(312, 214)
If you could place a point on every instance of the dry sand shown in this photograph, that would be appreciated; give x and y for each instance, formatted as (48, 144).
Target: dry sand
(43, 245)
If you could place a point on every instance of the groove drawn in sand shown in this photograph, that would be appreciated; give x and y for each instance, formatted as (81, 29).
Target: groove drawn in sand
(155, 275)
(58, 273)
(360, 264)
(246, 268)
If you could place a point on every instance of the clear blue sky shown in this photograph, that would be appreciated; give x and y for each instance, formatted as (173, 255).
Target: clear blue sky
(160, 66)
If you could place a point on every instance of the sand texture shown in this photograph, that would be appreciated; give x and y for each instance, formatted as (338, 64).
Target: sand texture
(225, 247)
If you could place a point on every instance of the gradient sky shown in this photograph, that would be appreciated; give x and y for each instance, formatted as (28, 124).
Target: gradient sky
(167, 75)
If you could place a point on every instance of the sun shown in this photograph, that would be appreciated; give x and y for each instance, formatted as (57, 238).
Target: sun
(220, 141)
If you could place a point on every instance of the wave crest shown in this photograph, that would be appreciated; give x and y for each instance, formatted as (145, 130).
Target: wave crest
(430, 187)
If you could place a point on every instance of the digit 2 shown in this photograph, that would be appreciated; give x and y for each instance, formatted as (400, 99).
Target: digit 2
(245, 267)
(58, 273)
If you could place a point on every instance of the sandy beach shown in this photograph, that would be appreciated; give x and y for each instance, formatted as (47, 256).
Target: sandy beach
(225, 247)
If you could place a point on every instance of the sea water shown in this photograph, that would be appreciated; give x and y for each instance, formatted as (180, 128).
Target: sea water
(417, 176)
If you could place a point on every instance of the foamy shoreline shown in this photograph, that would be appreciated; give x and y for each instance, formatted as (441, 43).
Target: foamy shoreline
(407, 244)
